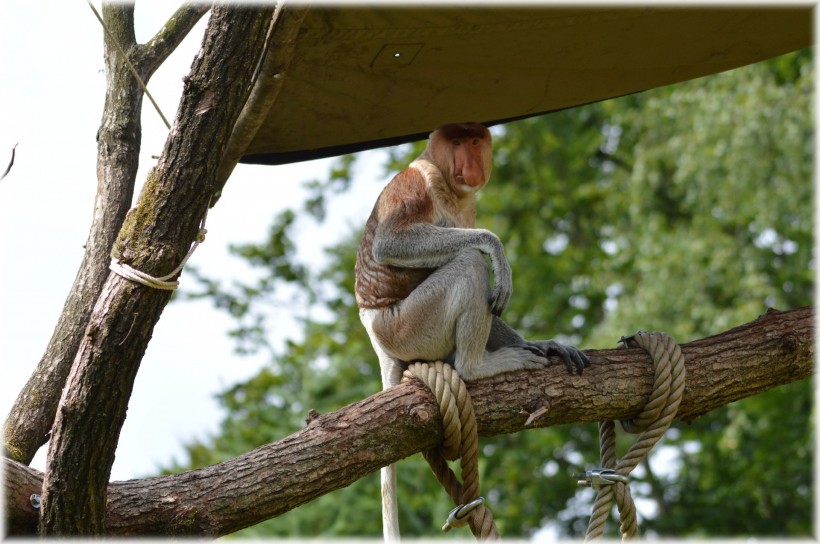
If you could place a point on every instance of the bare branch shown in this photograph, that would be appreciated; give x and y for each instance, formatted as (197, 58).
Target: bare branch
(154, 238)
(776, 349)
(29, 422)
(267, 83)
(11, 163)
(153, 53)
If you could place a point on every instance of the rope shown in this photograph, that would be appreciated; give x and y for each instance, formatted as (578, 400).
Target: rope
(129, 65)
(162, 282)
(460, 441)
(652, 422)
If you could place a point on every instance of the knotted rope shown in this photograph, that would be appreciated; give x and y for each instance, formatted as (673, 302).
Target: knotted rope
(654, 420)
(460, 441)
(162, 282)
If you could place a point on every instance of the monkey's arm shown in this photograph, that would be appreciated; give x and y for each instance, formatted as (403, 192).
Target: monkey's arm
(423, 245)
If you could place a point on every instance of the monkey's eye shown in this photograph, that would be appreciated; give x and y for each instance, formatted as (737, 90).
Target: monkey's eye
(456, 142)
(476, 141)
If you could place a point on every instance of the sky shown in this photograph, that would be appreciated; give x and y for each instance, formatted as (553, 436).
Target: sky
(51, 100)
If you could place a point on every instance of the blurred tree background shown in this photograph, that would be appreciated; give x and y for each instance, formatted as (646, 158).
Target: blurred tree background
(686, 209)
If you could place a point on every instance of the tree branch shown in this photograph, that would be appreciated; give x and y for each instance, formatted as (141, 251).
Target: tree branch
(11, 163)
(776, 349)
(153, 53)
(29, 422)
(267, 84)
(154, 238)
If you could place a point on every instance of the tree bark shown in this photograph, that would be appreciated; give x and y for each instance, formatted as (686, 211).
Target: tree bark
(269, 81)
(30, 420)
(336, 449)
(154, 238)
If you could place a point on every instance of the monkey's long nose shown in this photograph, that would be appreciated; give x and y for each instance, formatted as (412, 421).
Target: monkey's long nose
(472, 175)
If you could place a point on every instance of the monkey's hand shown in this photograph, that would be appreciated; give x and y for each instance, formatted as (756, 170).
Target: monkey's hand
(574, 358)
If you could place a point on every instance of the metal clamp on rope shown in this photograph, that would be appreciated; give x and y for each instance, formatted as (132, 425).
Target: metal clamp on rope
(597, 477)
(458, 515)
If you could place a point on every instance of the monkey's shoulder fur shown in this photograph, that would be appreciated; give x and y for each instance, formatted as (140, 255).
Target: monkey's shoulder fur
(417, 195)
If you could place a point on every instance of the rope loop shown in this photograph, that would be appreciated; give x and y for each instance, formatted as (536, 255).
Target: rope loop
(652, 423)
(162, 282)
(460, 441)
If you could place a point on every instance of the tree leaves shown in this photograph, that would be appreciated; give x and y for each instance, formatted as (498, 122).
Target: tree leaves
(686, 209)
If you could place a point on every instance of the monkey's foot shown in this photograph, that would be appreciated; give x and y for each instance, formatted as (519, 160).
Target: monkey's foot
(506, 359)
(574, 358)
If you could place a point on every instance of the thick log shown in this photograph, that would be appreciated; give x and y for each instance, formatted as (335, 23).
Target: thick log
(336, 449)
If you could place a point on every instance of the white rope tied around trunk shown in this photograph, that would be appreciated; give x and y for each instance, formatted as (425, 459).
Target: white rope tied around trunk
(162, 282)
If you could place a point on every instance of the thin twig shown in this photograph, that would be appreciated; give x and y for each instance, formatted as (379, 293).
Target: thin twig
(11, 162)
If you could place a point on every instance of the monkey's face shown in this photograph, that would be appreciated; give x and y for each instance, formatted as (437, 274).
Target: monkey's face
(463, 153)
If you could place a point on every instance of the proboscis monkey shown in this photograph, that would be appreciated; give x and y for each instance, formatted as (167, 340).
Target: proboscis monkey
(423, 283)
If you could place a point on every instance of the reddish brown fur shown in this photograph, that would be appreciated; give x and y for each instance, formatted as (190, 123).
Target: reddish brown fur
(462, 130)
(408, 199)
(403, 201)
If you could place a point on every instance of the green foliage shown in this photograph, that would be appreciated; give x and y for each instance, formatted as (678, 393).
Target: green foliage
(745, 470)
(685, 209)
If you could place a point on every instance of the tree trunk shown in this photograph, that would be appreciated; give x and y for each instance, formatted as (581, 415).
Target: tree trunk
(30, 420)
(336, 449)
(155, 237)
(272, 75)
